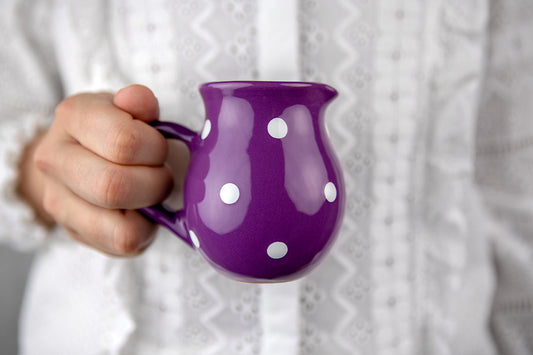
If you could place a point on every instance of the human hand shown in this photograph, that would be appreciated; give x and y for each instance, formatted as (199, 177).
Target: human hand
(100, 162)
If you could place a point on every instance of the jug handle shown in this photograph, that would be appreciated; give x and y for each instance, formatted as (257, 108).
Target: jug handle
(173, 220)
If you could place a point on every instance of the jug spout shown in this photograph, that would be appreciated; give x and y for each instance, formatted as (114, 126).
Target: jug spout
(321, 93)
(317, 95)
(329, 93)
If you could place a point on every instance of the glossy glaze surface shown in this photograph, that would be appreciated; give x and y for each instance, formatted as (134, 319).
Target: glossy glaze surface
(264, 195)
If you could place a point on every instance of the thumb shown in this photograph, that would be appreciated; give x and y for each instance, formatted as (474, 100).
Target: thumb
(139, 101)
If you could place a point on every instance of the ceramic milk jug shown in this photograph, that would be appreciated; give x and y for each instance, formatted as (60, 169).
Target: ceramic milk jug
(264, 194)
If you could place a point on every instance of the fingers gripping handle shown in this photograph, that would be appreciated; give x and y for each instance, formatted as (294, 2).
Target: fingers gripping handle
(173, 220)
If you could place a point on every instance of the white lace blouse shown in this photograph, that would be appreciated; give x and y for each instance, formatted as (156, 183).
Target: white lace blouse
(434, 131)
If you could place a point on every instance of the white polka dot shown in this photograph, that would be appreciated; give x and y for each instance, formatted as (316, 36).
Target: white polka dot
(277, 128)
(229, 193)
(194, 239)
(206, 130)
(330, 191)
(277, 250)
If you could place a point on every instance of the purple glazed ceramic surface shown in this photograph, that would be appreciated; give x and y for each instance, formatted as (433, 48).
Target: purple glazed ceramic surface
(264, 195)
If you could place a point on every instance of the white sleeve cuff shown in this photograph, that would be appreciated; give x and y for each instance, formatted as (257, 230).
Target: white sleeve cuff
(20, 227)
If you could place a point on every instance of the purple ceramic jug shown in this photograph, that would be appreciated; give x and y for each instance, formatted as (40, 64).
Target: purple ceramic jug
(264, 194)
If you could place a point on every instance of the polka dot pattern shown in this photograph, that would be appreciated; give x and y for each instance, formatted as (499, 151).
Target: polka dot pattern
(277, 250)
(194, 239)
(206, 130)
(229, 193)
(330, 191)
(277, 128)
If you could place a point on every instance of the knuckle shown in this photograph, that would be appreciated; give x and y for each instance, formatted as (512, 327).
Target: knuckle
(127, 239)
(41, 158)
(51, 204)
(124, 144)
(113, 187)
(66, 107)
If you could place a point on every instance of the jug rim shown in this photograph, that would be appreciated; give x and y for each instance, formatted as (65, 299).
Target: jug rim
(237, 84)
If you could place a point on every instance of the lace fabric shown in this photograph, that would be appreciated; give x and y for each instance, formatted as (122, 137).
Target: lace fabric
(504, 140)
(423, 88)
